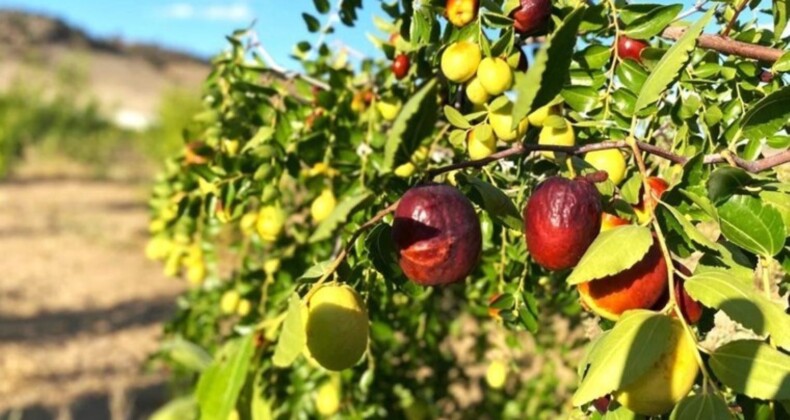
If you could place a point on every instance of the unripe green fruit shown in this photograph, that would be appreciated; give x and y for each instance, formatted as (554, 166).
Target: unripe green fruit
(476, 93)
(460, 61)
(337, 327)
(495, 75)
(556, 137)
(609, 160)
(501, 121)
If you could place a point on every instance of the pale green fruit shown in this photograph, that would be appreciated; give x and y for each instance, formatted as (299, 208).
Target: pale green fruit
(495, 75)
(556, 137)
(337, 327)
(609, 160)
(323, 205)
(538, 116)
(501, 121)
(270, 223)
(476, 93)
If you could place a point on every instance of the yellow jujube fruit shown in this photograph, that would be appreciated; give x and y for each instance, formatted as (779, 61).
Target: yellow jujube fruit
(405, 170)
(501, 121)
(337, 327)
(556, 137)
(247, 223)
(196, 272)
(323, 205)
(271, 266)
(388, 108)
(668, 381)
(481, 142)
(158, 247)
(495, 75)
(476, 93)
(460, 61)
(270, 223)
(609, 160)
(496, 374)
(229, 302)
(244, 307)
(327, 399)
(538, 116)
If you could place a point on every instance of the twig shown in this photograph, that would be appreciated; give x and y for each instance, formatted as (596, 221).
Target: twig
(726, 32)
(694, 9)
(728, 46)
(279, 71)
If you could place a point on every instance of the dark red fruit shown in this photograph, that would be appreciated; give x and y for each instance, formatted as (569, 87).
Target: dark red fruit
(630, 48)
(400, 67)
(531, 17)
(561, 220)
(436, 234)
(602, 404)
(690, 308)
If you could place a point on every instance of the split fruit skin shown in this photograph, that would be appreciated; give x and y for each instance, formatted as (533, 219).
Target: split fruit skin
(336, 327)
(668, 381)
(561, 220)
(531, 16)
(628, 48)
(436, 234)
(638, 287)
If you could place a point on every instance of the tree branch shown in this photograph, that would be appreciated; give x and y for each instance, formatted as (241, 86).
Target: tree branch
(728, 46)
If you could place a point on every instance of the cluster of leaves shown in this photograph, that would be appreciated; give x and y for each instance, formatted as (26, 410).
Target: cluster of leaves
(264, 140)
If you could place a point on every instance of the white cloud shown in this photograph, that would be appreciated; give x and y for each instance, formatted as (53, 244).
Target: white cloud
(236, 12)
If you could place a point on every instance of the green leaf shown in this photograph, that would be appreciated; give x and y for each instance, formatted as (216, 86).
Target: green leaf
(260, 407)
(549, 71)
(621, 413)
(322, 6)
(187, 354)
(782, 65)
(752, 225)
(671, 64)
(631, 75)
(653, 22)
(701, 407)
(690, 230)
(595, 56)
(183, 408)
(753, 368)
(607, 255)
(414, 122)
(726, 181)
(498, 205)
(780, 201)
(316, 271)
(338, 216)
(219, 386)
(292, 339)
(382, 253)
(581, 98)
(780, 11)
(767, 116)
(628, 351)
(456, 118)
(313, 25)
(739, 300)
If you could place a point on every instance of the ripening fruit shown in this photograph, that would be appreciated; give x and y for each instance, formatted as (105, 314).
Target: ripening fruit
(668, 381)
(337, 327)
(610, 221)
(628, 48)
(480, 142)
(437, 235)
(638, 287)
(610, 160)
(461, 12)
(405, 170)
(229, 302)
(460, 61)
(388, 108)
(556, 137)
(323, 205)
(248, 222)
(271, 220)
(531, 16)
(647, 205)
(501, 121)
(496, 374)
(538, 116)
(495, 75)
(244, 307)
(400, 66)
(327, 399)
(561, 219)
(476, 93)
(689, 308)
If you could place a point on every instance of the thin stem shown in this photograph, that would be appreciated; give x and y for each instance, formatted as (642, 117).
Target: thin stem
(738, 10)
(694, 9)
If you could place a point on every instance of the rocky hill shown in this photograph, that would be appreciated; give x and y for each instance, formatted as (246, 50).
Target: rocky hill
(127, 79)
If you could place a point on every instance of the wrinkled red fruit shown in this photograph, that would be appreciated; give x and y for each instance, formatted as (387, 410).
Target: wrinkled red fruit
(400, 67)
(630, 48)
(561, 220)
(531, 17)
(690, 308)
(436, 234)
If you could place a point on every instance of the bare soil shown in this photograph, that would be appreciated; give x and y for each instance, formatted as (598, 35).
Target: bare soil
(80, 307)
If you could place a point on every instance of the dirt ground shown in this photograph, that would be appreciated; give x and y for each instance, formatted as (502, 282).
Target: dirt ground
(80, 306)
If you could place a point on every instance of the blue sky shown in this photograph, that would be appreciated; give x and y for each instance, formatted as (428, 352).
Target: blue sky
(200, 26)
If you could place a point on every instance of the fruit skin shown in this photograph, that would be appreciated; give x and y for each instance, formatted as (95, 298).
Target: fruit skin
(666, 382)
(556, 137)
(644, 209)
(538, 116)
(610, 160)
(327, 399)
(323, 205)
(244, 307)
(501, 120)
(561, 220)
(531, 16)
(690, 308)
(270, 223)
(476, 93)
(628, 48)
(337, 327)
(460, 61)
(229, 302)
(610, 221)
(495, 75)
(437, 235)
(638, 287)
(461, 12)
(480, 142)
(388, 108)
(496, 374)
(405, 170)
(400, 66)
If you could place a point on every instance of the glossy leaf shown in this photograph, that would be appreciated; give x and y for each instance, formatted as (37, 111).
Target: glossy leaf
(498, 205)
(607, 255)
(338, 216)
(653, 22)
(753, 368)
(414, 122)
(292, 339)
(767, 116)
(219, 386)
(701, 407)
(752, 225)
